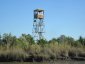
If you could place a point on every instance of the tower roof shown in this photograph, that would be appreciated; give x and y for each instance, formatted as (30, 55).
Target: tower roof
(39, 10)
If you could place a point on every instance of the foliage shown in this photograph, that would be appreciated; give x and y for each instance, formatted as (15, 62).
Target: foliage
(42, 42)
(24, 48)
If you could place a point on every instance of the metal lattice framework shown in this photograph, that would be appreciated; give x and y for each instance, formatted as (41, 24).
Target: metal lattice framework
(38, 24)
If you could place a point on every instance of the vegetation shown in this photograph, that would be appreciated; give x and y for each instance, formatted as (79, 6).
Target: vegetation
(24, 48)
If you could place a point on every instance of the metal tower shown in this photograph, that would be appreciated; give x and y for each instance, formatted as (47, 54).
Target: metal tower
(38, 24)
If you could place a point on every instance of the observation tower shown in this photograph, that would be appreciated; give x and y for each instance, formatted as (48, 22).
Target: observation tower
(38, 24)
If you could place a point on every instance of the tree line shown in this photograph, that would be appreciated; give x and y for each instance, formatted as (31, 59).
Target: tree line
(24, 48)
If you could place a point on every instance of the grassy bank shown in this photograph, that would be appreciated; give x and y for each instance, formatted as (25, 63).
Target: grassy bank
(36, 52)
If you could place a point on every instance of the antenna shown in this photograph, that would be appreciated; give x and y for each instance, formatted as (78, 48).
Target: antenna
(38, 24)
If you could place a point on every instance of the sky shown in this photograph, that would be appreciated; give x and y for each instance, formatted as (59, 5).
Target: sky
(62, 17)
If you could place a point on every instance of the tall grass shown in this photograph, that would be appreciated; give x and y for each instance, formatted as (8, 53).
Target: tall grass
(21, 49)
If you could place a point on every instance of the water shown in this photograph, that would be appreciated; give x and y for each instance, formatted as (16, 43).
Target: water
(57, 62)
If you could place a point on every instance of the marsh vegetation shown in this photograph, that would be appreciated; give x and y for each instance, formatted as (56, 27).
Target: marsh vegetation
(24, 48)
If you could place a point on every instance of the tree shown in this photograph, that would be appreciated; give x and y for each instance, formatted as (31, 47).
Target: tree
(70, 41)
(28, 38)
(42, 42)
(81, 40)
(62, 39)
(54, 40)
(9, 40)
(25, 40)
